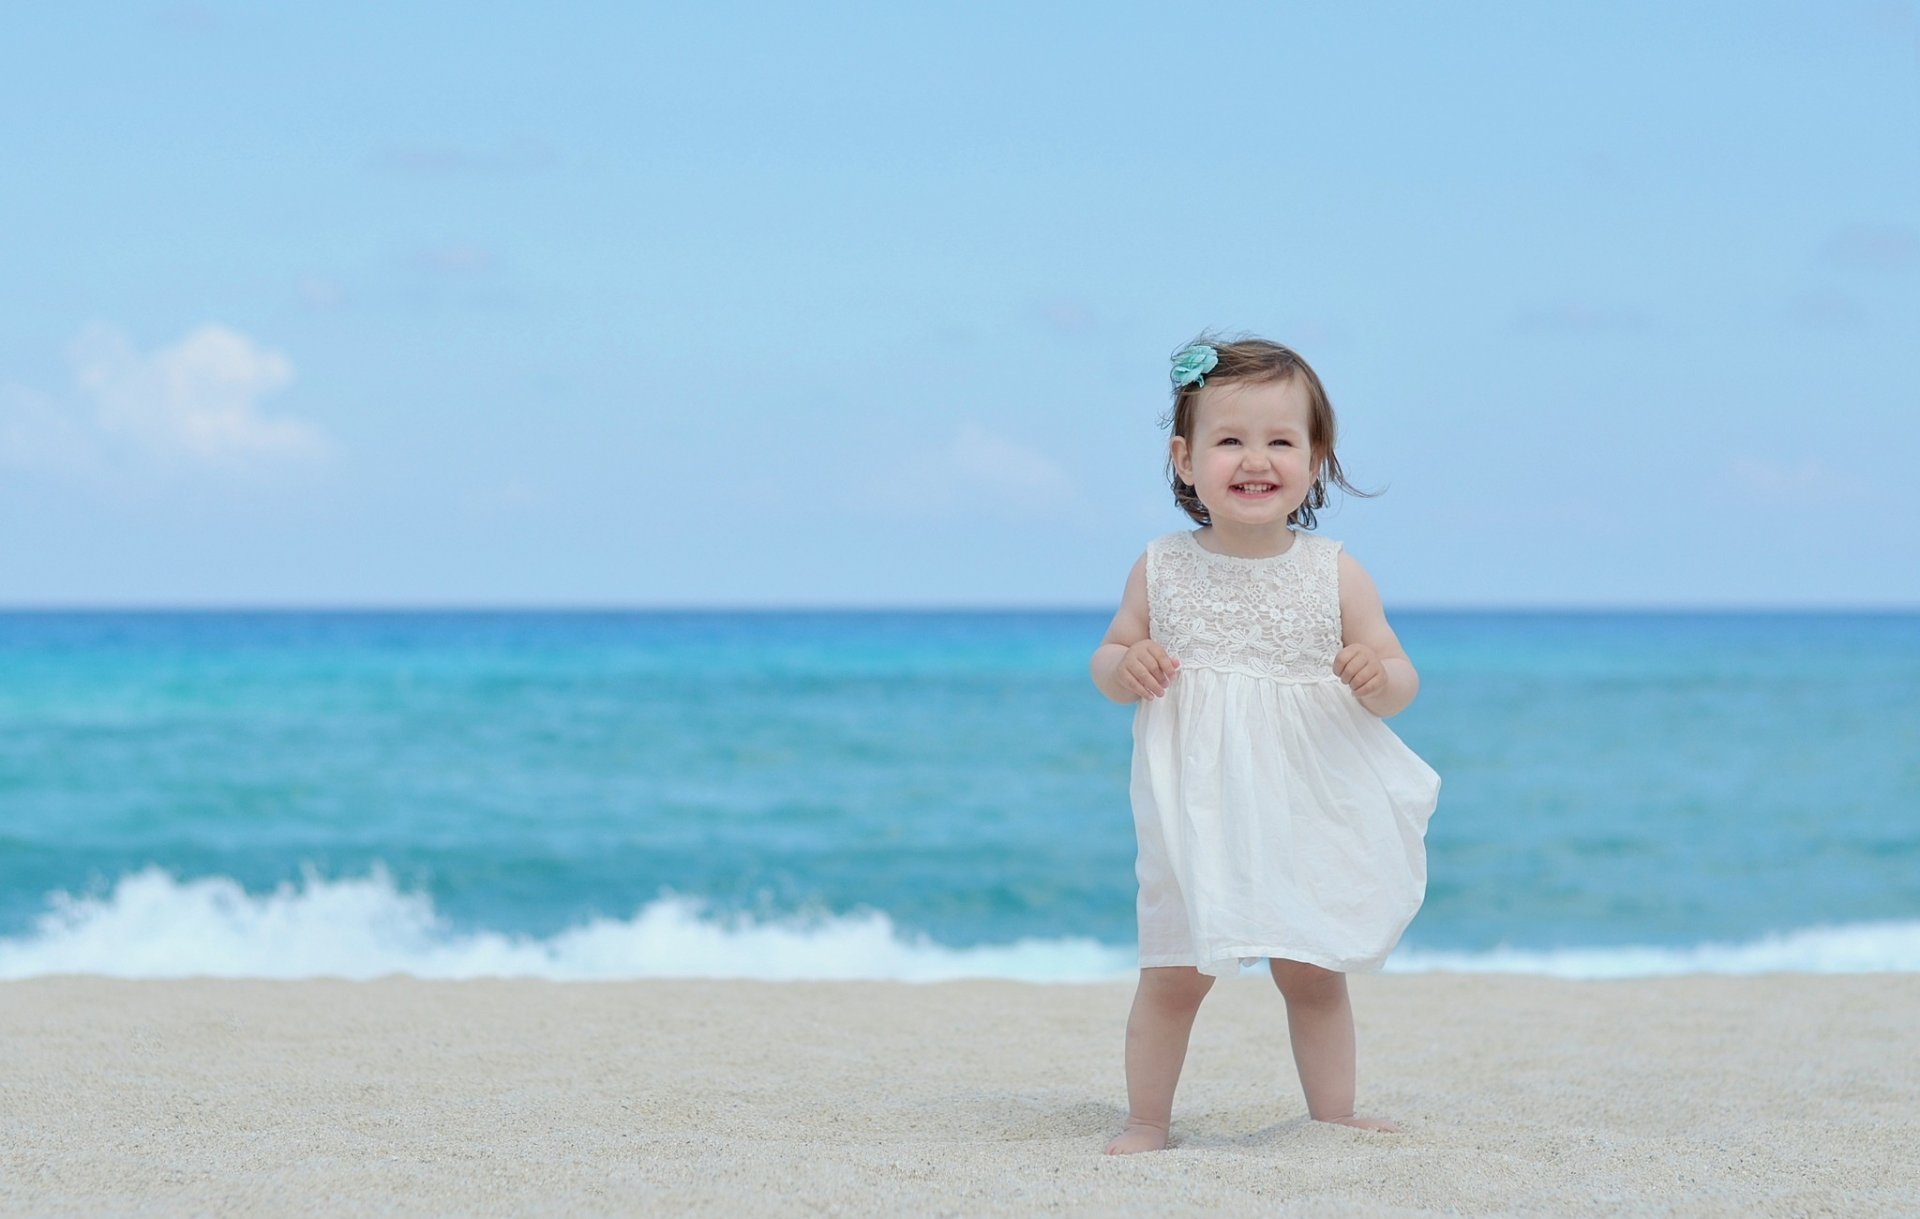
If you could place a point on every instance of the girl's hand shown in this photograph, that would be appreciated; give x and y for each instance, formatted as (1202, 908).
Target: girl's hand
(1359, 666)
(1146, 670)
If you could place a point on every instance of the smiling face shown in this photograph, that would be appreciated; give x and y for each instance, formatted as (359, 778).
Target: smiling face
(1250, 459)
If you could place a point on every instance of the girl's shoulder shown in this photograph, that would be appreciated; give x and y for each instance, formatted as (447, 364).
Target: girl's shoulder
(1159, 548)
(1332, 550)
(1174, 553)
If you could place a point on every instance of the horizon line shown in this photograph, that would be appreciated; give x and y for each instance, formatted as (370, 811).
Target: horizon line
(584, 607)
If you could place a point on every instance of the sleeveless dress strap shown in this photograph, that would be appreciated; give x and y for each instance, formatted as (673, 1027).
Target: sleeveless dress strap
(1325, 566)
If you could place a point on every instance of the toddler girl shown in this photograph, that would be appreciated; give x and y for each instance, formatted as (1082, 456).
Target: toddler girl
(1278, 817)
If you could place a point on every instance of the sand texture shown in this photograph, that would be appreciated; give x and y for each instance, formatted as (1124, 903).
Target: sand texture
(1773, 1095)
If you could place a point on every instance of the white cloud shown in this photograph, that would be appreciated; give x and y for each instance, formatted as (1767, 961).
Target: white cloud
(197, 399)
(193, 404)
(1809, 481)
(993, 462)
(979, 468)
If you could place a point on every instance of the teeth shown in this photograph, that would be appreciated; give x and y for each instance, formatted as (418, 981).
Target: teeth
(1256, 486)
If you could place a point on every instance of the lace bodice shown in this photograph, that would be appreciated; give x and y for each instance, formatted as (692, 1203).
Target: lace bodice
(1276, 617)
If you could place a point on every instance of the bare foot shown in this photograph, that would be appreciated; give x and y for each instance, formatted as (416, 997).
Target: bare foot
(1138, 1136)
(1362, 1123)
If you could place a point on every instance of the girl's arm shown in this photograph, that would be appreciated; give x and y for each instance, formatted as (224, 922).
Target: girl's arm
(1371, 660)
(1128, 665)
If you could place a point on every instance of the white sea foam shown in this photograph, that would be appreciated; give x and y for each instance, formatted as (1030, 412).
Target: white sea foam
(1836, 948)
(152, 925)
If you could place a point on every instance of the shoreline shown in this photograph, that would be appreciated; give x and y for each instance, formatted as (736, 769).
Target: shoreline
(1704, 1094)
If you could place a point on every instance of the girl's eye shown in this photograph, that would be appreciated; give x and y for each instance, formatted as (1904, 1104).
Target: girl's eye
(1283, 442)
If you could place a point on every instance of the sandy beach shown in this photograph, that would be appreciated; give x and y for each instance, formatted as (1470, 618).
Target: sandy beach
(1769, 1095)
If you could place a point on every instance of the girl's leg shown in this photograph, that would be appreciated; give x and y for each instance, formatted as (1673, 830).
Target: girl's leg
(1157, 1032)
(1320, 1025)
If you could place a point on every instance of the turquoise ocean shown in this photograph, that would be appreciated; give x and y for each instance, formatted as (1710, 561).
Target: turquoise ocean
(907, 795)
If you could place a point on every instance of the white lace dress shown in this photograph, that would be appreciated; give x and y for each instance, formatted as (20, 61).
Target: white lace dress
(1276, 816)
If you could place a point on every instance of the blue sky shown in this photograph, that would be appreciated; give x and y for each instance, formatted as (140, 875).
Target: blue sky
(483, 304)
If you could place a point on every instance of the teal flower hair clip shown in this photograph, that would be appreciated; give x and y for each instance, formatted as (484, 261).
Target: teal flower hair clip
(1192, 363)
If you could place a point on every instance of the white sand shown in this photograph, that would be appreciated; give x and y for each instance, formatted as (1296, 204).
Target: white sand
(1777, 1095)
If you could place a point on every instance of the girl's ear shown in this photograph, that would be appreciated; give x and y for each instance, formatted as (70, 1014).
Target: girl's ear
(1182, 458)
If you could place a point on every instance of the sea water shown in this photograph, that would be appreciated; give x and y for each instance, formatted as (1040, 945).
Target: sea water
(899, 795)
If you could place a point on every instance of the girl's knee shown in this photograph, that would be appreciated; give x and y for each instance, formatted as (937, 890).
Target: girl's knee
(1298, 980)
(1175, 985)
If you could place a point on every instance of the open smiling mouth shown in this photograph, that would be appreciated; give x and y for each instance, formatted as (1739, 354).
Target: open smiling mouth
(1254, 488)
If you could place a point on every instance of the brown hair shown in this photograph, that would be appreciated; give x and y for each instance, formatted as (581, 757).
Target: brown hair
(1250, 359)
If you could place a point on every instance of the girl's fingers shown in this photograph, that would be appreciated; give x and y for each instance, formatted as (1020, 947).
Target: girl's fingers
(1363, 676)
(1352, 664)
